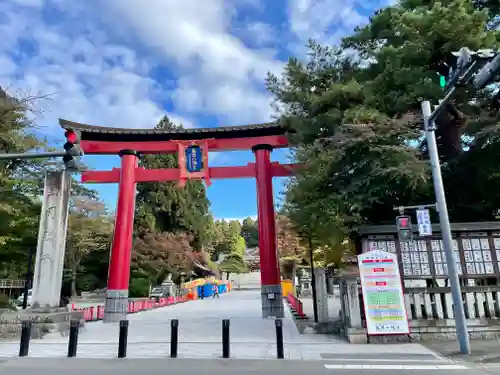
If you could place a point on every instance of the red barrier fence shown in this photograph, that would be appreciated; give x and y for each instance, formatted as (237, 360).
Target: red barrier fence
(94, 313)
(296, 304)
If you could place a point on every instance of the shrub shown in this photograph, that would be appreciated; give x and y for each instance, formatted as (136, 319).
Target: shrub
(139, 288)
(6, 303)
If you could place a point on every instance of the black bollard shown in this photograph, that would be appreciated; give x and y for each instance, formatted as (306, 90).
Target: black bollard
(225, 338)
(122, 339)
(279, 339)
(74, 326)
(24, 346)
(174, 337)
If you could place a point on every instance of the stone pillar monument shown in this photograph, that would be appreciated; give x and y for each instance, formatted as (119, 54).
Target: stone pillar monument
(321, 295)
(51, 246)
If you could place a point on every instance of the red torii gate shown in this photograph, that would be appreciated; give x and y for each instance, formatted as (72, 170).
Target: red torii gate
(131, 143)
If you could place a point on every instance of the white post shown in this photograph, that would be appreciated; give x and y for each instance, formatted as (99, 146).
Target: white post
(51, 247)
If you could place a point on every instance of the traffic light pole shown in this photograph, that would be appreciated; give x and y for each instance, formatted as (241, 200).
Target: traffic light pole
(402, 209)
(460, 322)
(32, 155)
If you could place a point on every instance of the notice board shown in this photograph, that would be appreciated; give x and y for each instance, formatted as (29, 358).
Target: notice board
(383, 299)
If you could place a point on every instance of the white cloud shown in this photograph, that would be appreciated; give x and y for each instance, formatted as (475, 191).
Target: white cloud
(217, 73)
(88, 78)
(29, 3)
(260, 33)
(319, 20)
(240, 219)
(97, 65)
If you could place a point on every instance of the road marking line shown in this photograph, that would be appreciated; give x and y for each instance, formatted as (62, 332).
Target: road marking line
(395, 367)
(388, 360)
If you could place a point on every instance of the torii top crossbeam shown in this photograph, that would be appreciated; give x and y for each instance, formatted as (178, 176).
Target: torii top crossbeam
(106, 140)
(100, 140)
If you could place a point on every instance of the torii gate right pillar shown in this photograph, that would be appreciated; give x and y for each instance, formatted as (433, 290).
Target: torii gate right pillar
(271, 290)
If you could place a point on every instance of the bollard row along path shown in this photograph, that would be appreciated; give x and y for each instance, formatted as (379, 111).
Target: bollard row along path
(200, 335)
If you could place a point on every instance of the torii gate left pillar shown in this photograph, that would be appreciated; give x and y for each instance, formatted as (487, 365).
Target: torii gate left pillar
(116, 304)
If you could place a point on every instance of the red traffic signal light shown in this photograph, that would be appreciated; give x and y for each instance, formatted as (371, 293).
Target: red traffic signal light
(403, 222)
(71, 136)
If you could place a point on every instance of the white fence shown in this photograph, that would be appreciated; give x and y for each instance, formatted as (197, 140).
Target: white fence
(11, 284)
(250, 280)
(430, 311)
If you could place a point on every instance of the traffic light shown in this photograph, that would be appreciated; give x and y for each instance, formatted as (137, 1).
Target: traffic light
(464, 61)
(405, 232)
(443, 70)
(73, 151)
(487, 74)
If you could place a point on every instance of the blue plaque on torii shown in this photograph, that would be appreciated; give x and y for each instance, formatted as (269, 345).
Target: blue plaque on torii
(194, 159)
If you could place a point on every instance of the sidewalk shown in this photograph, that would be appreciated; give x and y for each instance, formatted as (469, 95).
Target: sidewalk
(482, 351)
(200, 335)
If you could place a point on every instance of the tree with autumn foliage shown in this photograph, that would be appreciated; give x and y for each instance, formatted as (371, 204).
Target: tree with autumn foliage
(89, 236)
(156, 255)
(290, 245)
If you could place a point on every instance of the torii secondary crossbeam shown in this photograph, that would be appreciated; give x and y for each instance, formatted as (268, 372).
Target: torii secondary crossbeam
(192, 147)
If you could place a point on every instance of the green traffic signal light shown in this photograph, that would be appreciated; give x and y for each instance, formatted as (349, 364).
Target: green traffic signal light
(442, 81)
(405, 235)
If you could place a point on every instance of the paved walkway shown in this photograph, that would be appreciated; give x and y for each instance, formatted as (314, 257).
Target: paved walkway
(200, 335)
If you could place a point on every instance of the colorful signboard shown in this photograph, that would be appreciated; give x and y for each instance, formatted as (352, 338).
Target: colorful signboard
(383, 299)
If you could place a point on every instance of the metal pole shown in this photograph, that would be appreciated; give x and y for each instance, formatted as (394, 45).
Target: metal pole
(225, 339)
(73, 337)
(24, 345)
(122, 339)
(460, 323)
(174, 337)
(30, 155)
(313, 280)
(280, 352)
(27, 280)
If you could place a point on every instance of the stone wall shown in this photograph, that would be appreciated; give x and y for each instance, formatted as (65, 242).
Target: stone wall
(43, 323)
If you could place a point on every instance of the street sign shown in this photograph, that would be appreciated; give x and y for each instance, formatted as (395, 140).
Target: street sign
(424, 222)
(194, 159)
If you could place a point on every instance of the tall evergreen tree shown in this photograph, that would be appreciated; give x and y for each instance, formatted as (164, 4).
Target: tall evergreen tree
(164, 207)
(357, 121)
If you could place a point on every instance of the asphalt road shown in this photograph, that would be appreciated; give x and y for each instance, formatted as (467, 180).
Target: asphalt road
(76, 366)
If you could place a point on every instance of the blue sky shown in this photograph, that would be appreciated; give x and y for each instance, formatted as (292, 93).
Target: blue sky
(126, 63)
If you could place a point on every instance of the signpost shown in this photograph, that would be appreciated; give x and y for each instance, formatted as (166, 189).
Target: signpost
(383, 299)
(424, 222)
